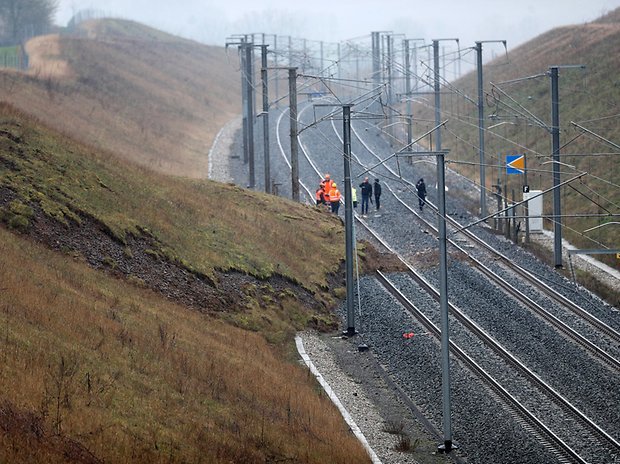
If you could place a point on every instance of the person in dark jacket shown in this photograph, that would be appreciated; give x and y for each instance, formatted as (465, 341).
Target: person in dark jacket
(421, 187)
(366, 191)
(377, 190)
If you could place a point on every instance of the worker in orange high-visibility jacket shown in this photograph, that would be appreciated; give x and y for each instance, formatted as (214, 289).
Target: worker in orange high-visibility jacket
(320, 195)
(326, 183)
(326, 195)
(334, 198)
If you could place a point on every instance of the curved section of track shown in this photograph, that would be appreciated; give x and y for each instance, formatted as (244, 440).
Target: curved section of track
(595, 433)
(530, 278)
(514, 291)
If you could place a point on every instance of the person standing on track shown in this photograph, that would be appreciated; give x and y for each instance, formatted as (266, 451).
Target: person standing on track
(366, 191)
(421, 187)
(322, 193)
(377, 190)
(334, 198)
(326, 183)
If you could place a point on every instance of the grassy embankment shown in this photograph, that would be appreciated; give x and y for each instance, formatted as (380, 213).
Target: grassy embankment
(147, 96)
(96, 368)
(98, 361)
(90, 362)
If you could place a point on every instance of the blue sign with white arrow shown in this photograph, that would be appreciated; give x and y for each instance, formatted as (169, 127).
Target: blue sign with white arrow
(515, 164)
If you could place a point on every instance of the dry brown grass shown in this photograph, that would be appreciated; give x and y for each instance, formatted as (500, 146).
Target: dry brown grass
(152, 100)
(591, 96)
(45, 58)
(94, 369)
(91, 363)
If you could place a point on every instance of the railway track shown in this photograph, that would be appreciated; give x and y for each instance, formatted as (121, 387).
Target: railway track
(509, 287)
(551, 441)
(531, 279)
(563, 451)
(598, 437)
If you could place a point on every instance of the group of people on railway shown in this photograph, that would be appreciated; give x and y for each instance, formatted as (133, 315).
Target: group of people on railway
(328, 194)
(368, 191)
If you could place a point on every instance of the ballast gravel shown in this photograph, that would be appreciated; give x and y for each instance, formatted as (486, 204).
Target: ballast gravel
(486, 431)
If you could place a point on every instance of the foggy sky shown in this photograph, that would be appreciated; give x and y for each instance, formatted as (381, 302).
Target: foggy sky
(212, 21)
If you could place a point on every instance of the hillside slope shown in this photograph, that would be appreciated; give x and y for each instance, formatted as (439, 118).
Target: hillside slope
(122, 87)
(95, 369)
(589, 97)
(145, 317)
(183, 238)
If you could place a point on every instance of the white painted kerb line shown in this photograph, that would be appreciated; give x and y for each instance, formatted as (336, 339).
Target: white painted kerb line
(215, 141)
(332, 396)
(214, 145)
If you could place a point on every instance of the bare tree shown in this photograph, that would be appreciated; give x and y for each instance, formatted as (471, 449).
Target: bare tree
(22, 19)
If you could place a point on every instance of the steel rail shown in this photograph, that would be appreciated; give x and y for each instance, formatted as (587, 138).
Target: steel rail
(530, 278)
(545, 435)
(524, 273)
(543, 386)
(499, 349)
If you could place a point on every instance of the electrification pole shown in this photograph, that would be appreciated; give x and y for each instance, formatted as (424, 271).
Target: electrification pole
(265, 115)
(443, 303)
(436, 72)
(275, 64)
(408, 94)
(290, 51)
(250, 109)
(322, 60)
(437, 97)
(357, 65)
(376, 58)
(389, 59)
(348, 204)
(483, 183)
(447, 445)
(292, 90)
(408, 86)
(244, 96)
(242, 43)
(555, 135)
(483, 198)
(443, 262)
(339, 66)
(304, 58)
(525, 205)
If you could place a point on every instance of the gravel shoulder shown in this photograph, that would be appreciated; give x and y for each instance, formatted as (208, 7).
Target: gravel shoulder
(380, 412)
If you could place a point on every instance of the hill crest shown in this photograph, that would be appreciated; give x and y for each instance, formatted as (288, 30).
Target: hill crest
(142, 95)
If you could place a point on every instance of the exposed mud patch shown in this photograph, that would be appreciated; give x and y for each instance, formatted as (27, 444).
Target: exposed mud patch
(139, 260)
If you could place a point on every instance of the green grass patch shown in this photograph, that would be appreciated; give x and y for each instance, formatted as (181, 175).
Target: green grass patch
(204, 225)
